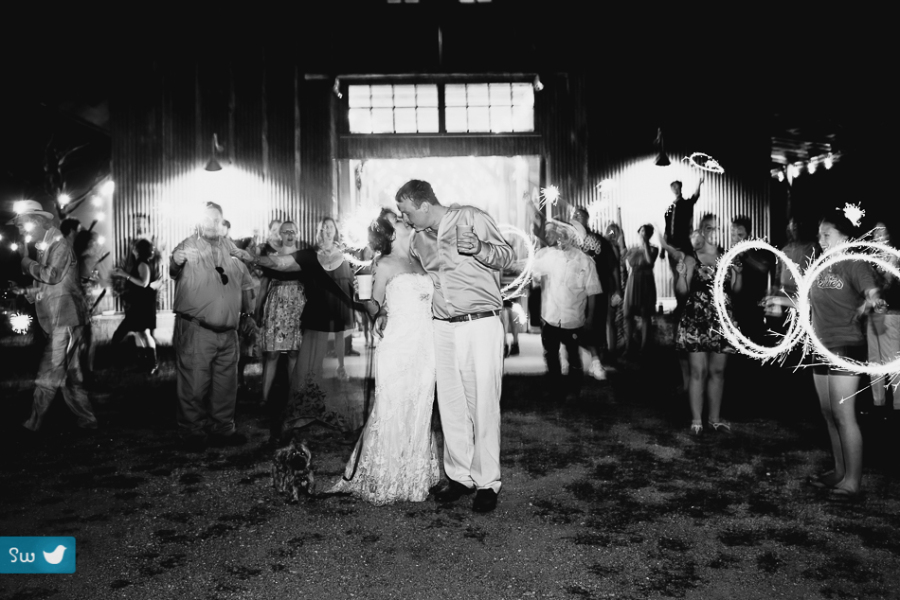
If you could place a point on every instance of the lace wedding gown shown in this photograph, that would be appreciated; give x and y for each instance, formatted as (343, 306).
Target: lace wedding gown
(397, 455)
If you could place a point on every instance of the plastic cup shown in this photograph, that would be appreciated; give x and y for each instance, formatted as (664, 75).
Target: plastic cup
(460, 230)
(364, 290)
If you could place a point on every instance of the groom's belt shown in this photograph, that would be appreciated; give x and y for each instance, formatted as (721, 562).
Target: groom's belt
(471, 316)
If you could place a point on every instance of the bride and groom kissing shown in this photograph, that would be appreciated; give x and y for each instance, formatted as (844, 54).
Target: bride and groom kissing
(436, 300)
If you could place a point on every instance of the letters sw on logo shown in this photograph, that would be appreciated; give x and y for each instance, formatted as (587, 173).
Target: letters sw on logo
(803, 323)
(37, 555)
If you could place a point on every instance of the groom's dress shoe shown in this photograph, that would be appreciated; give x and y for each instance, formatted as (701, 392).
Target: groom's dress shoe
(485, 501)
(453, 492)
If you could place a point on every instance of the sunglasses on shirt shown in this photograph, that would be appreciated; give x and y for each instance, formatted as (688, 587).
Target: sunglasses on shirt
(222, 274)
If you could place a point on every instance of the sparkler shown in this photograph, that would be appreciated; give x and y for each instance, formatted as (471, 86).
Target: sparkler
(519, 313)
(854, 213)
(356, 233)
(514, 289)
(801, 326)
(549, 194)
(20, 323)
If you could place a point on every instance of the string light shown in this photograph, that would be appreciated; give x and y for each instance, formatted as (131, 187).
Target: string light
(14, 246)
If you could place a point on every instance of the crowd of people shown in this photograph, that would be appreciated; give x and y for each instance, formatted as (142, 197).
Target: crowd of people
(437, 306)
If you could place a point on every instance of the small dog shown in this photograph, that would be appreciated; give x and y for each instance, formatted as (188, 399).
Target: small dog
(292, 470)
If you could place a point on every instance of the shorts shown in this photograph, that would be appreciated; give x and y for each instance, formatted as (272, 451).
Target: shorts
(859, 353)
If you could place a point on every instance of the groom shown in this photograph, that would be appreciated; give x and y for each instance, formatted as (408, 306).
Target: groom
(463, 251)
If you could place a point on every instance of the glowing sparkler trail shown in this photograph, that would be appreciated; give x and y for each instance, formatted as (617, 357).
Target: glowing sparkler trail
(704, 162)
(514, 289)
(519, 313)
(803, 320)
(20, 323)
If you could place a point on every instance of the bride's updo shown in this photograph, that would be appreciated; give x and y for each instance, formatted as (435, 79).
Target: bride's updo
(381, 235)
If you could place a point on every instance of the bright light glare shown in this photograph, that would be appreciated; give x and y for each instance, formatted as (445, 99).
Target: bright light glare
(101, 217)
(97, 201)
(27, 239)
(811, 167)
(828, 162)
(101, 240)
(14, 246)
(108, 188)
(18, 207)
(64, 199)
(20, 323)
(29, 226)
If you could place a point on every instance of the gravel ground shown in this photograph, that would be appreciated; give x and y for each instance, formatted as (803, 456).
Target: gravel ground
(605, 495)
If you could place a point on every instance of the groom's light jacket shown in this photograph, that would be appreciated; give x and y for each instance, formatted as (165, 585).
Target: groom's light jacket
(463, 284)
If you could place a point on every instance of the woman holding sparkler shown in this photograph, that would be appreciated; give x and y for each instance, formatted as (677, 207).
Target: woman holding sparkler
(839, 297)
(640, 291)
(698, 330)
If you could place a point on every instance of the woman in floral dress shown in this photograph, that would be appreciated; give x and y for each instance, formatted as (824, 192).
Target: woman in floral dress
(699, 332)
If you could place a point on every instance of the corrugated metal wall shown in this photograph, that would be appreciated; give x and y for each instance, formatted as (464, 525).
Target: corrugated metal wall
(280, 132)
(274, 127)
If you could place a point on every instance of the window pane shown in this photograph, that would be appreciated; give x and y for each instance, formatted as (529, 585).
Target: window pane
(501, 119)
(479, 118)
(500, 94)
(523, 94)
(360, 120)
(405, 120)
(455, 119)
(427, 120)
(477, 94)
(404, 95)
(455, 94)
(359, 96)
(426, 95)
(523, 118)
(382, 95)
(382, 120)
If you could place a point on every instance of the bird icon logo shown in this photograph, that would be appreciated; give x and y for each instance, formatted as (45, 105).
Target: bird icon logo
(55, 557)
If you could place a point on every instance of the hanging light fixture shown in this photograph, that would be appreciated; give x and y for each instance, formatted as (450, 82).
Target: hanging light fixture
(662, 159)
(213, 164)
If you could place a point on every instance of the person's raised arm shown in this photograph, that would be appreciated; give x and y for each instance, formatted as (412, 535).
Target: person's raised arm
(685, 270)
(696, 195)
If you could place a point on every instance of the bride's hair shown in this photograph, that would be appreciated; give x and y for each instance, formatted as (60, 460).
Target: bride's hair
(381, 234)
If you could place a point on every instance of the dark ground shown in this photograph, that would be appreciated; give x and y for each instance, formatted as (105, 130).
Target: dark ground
(605, 496)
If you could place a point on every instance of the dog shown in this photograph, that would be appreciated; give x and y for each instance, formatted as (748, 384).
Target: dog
(292, 470)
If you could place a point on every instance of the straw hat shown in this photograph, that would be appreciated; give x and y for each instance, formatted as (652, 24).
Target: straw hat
(29, 207)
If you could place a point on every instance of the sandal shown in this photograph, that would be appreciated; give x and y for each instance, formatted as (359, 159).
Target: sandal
(721, 427)
(696, 427)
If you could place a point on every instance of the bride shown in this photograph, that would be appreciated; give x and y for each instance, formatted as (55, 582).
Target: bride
(396, 456)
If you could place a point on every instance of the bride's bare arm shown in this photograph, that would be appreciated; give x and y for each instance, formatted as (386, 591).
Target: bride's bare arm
(382, 274)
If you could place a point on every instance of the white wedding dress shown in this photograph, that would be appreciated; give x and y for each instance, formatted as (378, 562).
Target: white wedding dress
(396, 453)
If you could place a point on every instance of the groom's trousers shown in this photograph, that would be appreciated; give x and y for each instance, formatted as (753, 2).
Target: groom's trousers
(469, 357)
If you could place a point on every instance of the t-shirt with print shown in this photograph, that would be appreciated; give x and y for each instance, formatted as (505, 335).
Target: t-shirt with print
(836, 295)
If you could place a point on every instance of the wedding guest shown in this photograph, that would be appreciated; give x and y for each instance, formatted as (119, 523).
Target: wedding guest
(86, 248)
(211, 291)
(640, 292)
(757, 277)
(615, 318)
(59, 302)
(463, 251)
(839, 297)
(883, 328)
(698, 330)
(569, 289)
(679, 220)
(606, 264)
(140, 312)
(279, 311)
